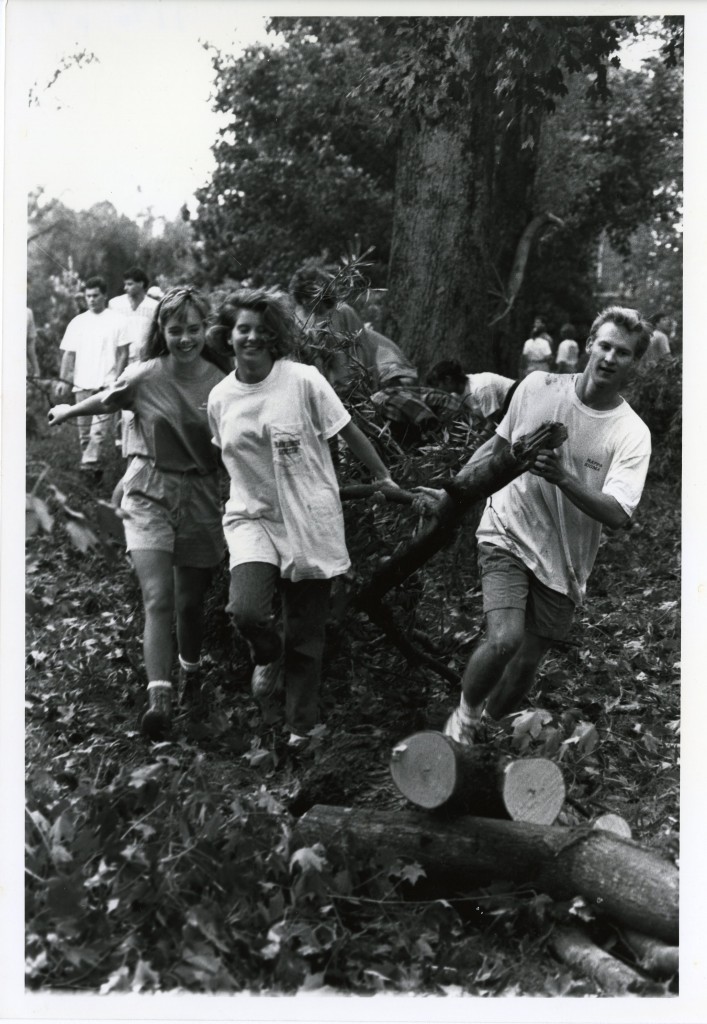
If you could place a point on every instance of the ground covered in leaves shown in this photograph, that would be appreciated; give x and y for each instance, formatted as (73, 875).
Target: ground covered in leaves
(175, 866)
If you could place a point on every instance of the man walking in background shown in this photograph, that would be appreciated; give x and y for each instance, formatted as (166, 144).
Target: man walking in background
(137, 308)
(91, 346)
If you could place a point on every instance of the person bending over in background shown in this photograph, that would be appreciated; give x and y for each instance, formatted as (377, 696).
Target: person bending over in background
(272, 419)
(482, 395)
(171, 502)
(339, 337)
(539, 535)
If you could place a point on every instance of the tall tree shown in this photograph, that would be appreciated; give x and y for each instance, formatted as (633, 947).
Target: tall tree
(301, 166)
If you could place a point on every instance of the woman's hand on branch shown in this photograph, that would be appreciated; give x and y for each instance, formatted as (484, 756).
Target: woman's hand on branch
(58, 414)
(428, 501)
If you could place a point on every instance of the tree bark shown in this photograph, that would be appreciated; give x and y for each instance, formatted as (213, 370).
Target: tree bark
(575, 948)
(438, 297)
(433, 772)
(652, 956)
(616, 877)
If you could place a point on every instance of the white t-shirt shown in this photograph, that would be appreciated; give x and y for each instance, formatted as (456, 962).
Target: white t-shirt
(484, 394)
(284, 505)
(136, 325)
(568, 352)
(95, 338)
(537, 353)
(608, 450)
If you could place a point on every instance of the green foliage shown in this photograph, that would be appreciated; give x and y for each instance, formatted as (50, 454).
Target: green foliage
(656, 395)
(301, 166)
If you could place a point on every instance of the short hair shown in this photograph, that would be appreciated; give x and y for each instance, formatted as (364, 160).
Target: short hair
(451, 368)
(277, 320)
(177, 302)
(568, 332)
(655, 318)
(96, 282)
(311, 286)
(629, 320)
(136, 274)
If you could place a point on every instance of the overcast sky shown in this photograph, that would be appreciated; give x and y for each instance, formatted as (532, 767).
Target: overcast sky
(135, 126)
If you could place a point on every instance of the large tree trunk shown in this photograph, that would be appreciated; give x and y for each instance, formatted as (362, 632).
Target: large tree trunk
(616, 877)
(438, 301)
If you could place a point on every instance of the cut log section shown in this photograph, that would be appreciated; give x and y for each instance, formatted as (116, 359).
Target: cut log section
(613, 823)
(616, 877)
(433, 771)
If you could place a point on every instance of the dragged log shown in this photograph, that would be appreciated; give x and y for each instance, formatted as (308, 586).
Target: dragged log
(616, 978)
(652, 956)
(475, 482)
(433, 772)
(616, 877)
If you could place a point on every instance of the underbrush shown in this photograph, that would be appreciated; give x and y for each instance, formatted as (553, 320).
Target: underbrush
(177, 867)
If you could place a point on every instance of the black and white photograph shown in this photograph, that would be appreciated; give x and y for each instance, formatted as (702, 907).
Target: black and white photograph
(326, 324)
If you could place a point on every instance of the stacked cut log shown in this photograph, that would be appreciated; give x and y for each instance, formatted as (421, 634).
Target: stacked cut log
(435, 773)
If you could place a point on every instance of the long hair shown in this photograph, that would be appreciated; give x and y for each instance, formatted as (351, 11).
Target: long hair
(277, 320)
(177, 302)
(629, 320)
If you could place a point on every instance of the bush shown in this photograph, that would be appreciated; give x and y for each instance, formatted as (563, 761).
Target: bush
(656, 395)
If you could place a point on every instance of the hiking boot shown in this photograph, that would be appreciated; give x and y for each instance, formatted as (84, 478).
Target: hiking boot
(157, 719)
(460, 728)
(194, 695)
(267, 680)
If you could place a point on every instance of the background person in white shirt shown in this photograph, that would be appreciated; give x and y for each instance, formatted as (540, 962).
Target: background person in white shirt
(137, 307)
(91, 345)
(272, 419)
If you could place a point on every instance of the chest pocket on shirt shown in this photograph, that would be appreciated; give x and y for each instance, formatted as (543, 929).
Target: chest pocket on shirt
(287, 446)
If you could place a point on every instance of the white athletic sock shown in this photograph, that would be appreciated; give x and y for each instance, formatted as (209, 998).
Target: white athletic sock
(466, 712)
(189, 666)
(161, 684)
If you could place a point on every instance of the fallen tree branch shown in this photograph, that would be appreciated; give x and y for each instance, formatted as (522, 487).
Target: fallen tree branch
(473, 483)
(577, 950)
(617, 878)
(381, 616)
(653, 956)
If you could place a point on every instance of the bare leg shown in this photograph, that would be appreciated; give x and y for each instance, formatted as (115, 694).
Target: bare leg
(518, 676)
(505, 628)
(190, 586)
(154, 571)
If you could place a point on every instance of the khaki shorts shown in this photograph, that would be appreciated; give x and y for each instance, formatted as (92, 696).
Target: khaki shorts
(506, 582)
(175, 512)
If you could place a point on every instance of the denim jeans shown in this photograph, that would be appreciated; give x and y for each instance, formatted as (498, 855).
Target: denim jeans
(94, 432)
(305, 607)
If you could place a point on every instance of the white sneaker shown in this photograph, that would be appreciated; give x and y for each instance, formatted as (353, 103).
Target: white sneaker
(461, 729)
(267, 680)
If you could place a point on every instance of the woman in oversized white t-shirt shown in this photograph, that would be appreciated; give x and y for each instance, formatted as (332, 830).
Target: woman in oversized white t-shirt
(272, 418)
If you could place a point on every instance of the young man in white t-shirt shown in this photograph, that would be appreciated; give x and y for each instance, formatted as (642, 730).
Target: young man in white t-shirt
(137, 308)
(91, 345)
(539, 535)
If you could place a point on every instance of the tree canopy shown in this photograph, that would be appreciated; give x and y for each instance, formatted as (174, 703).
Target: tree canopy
(344, 131)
